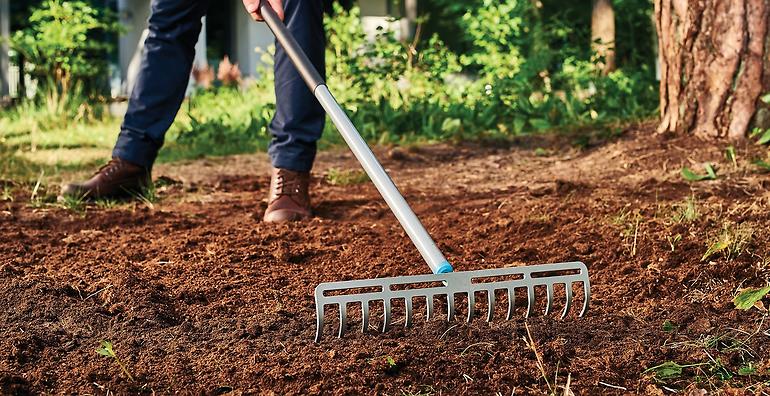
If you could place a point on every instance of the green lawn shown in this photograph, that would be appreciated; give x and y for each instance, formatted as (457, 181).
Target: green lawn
(62, 151)
(59, 151)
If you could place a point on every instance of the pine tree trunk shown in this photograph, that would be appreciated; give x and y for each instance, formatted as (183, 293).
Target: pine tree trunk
(714, 65)
(603, 34)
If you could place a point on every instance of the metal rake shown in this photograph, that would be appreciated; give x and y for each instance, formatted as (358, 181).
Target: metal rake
(449, 285)
(444, 281)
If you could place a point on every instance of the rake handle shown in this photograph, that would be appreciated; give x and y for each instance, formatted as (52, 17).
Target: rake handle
(401, 209)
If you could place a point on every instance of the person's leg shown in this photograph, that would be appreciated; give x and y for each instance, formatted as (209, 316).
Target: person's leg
(164, 73)
(299, 118)
(169, 52)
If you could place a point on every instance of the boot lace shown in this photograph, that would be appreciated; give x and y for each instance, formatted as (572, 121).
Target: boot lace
(287, 185)
(110, 167)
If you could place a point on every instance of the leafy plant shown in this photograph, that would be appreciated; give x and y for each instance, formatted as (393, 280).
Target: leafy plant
(748, 297)
(668, 326)
(689, 175)
(225, 120)
(106, 349)
(670, 370)
(64, 43)
(764, 138)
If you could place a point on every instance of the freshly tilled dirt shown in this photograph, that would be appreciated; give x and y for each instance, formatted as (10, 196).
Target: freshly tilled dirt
(198, 296)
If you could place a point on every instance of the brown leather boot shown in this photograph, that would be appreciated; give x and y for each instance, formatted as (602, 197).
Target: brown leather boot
(118, 178)
(289, 199)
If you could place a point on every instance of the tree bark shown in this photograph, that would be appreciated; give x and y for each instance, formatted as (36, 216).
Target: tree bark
(603, 34)
(5, 21)
(713, 64)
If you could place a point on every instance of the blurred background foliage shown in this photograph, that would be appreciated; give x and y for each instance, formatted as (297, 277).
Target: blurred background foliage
(507, 68)
(476, 69)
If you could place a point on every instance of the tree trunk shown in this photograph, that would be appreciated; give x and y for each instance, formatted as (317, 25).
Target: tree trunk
(5, 22)
(603, 34)
(409, 20)
(713, 63)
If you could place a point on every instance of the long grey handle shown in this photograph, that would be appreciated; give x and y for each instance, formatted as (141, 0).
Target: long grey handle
(409, 221)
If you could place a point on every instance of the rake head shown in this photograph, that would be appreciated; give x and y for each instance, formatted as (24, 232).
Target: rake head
(407, 288)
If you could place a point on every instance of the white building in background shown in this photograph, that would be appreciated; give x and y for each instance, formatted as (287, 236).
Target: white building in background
(237, 35)
(5, 28)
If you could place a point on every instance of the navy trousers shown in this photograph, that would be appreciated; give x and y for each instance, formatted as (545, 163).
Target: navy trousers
(169, 52)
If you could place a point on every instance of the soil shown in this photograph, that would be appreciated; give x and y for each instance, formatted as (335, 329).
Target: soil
(200, 297)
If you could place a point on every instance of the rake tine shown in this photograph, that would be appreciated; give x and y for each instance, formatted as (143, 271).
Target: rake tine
(386, 314)
(549, 294)
(568, 289)
(530, 300)
(587, 292)
(408, 308)
(451, 285)
(471, 305)
(319, 321)
(490, 304)
(343, 319)
(511, 303)
(364, 316)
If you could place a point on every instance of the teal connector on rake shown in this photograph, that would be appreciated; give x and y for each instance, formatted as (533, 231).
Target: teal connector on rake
(444, 268)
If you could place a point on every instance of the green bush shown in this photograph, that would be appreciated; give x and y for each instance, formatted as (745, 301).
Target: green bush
(532, 84)
(64, 45)
(510, 80)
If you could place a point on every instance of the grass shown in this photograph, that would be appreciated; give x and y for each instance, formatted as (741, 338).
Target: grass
(553, 390)
(147, 196)
(60, 150)
(673, 241)
(340, 177)
(686, 211)
(727, 361)
(629, 222)
(107, 203)
(34, 198)
(74, 204)
(423, 390)
(731, 242)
